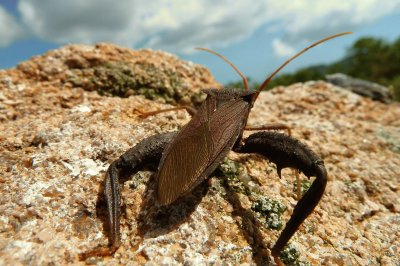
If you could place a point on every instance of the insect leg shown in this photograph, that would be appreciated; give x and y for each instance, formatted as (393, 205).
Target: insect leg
(145, 152)
(286, 151)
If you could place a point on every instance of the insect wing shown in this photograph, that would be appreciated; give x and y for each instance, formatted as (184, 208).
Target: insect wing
(186, 160)
(226, 124)
(199, 147)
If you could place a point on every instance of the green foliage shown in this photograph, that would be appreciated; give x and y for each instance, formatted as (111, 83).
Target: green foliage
(302, 75)
(368, 58)
(239, 84)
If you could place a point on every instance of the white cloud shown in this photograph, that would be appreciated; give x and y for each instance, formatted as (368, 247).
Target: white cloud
(313, 19)
(173, 25)
(282, 49)
(10, 30)
(81, 21)
(179, 25)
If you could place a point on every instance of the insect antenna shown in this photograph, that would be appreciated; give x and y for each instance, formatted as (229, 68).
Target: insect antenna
(245, 82)
(265, 83)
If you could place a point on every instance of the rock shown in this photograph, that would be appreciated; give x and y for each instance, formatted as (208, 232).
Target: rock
(362, 87)
(117, 71)
(57, 139)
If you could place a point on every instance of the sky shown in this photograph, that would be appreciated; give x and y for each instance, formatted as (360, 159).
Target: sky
(256, 37)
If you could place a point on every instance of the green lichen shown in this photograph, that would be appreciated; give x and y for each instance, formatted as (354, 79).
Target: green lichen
(391, 139)
(304, 186)
(290, 256)
(232, 170)
(268, 211)
(123, 79)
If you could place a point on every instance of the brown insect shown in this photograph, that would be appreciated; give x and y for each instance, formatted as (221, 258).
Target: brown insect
(189, 156)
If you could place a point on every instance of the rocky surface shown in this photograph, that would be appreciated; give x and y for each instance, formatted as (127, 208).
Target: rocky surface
(58, 136)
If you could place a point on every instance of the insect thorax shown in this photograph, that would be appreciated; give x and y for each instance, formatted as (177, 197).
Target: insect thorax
(231, 94)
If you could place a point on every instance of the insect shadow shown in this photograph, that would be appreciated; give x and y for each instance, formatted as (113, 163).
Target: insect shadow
(155, 220)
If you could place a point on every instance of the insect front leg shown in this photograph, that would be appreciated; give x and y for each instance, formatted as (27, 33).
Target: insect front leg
(148, 151)
(286, 151)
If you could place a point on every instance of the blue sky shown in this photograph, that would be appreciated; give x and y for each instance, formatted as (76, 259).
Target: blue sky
(256, 37)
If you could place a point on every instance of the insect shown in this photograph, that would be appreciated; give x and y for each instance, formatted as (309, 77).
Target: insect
(190, 155)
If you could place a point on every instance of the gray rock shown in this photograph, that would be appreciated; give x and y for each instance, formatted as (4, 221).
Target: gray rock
(362, 87)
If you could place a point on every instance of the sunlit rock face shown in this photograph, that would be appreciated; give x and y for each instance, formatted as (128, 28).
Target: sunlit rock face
(60, 129)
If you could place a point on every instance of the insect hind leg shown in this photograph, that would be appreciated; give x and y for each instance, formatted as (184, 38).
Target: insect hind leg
(286, 151)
